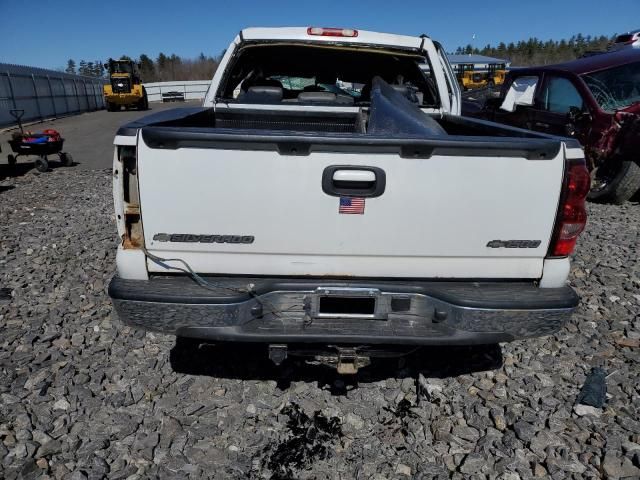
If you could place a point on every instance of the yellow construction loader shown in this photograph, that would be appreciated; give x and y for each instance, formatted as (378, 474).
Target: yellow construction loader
(125, 86)
(469, 78)
(497, 74)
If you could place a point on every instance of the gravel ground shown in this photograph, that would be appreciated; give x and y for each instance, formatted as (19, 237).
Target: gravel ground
(81, 396)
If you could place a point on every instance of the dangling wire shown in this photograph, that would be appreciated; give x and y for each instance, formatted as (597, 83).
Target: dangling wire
(249, 289)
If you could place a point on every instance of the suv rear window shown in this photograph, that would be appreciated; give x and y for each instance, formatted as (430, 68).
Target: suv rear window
(329, 74)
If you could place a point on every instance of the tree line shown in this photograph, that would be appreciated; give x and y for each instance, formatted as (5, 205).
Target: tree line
(173, 67)
(163, 69)
(537, 52)
(88, 69)
(523, 53)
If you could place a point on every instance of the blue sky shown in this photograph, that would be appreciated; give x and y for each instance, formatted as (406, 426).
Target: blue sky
(49, 32)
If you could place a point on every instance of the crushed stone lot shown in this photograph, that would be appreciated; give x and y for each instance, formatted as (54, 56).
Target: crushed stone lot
(82, 396)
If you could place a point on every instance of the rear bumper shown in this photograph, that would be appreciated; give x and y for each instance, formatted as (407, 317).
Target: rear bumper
(123, 98)
(288, 310)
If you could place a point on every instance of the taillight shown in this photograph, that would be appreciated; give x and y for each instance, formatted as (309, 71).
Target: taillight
(332, 32)
(572, 213)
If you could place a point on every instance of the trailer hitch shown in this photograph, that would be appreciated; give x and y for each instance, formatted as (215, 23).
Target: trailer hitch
(347, 361)
(278, 353)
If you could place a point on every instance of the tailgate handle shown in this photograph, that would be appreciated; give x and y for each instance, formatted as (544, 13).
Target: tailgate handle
(358, 176)
(353, 181)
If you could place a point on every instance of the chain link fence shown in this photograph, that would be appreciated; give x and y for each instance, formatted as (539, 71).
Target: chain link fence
(46, 94)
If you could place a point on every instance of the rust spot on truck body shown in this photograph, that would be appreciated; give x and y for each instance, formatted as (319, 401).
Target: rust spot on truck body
(133, 237)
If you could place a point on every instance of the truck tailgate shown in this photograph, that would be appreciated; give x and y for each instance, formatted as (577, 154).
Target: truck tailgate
(235, 207)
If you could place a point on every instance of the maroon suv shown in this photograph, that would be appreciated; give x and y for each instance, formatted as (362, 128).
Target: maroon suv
(594, 99)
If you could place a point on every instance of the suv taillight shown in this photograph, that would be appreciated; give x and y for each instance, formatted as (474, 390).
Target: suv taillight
(572, 213)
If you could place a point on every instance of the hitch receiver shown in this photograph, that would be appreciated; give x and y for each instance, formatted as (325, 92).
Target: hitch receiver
(347, 361)
(277, 353)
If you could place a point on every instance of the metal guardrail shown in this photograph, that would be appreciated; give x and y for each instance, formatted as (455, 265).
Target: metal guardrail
(46, 94)
(191, 89)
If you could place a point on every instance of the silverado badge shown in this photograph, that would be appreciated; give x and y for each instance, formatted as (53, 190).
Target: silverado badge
(190, 238)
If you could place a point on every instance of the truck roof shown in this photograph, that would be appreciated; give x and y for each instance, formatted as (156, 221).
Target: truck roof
(363, 36)
(590, 64)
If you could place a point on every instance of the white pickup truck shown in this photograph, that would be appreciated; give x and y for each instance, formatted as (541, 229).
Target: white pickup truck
(328, 192)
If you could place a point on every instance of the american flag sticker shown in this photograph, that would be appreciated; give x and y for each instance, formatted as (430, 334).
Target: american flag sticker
(353, 205)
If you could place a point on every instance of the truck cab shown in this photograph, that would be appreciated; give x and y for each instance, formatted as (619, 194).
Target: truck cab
(257, 69)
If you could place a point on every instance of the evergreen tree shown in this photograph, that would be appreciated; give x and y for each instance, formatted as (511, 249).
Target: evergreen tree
(71, 67)
(147, 69)
(83, 68)
(161, 64)
(162, 61)
(98, 69)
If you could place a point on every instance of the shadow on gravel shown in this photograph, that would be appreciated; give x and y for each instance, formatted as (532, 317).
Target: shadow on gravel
(251, 362)
(18, 170)
(5, 295)
(21, 168)
(307, 440)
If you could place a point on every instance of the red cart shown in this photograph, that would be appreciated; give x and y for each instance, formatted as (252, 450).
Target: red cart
(42, 145)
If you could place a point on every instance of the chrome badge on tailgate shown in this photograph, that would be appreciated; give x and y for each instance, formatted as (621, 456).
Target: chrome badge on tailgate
(190, 238)
(514, 243)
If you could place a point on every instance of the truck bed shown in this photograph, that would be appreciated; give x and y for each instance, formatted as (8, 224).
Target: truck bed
(202, 126)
